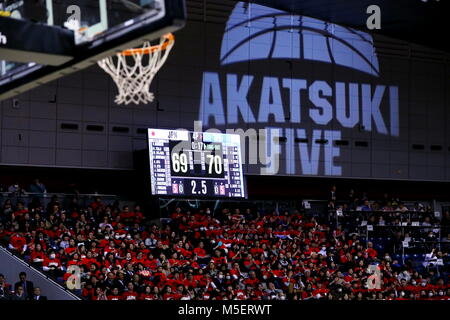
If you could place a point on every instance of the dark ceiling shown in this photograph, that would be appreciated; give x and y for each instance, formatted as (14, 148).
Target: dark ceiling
(416, 21)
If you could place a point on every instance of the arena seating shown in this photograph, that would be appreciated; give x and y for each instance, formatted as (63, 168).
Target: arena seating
(235, 254)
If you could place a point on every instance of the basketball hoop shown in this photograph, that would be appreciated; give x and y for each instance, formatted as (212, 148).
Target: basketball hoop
(133, 80)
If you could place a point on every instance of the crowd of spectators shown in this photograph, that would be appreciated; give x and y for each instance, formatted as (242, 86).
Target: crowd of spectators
(199, 255)
(394, 221)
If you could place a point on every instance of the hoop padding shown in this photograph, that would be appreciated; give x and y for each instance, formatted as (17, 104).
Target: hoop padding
(133, 80)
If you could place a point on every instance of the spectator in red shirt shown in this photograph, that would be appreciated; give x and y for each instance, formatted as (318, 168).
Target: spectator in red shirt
(37, 255)
(148, 294)
(200, 251)
(130, 294)
(18, 243)
(114, 294)
(138, 215)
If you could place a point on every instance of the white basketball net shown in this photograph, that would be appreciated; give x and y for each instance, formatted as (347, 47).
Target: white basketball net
(133, 80)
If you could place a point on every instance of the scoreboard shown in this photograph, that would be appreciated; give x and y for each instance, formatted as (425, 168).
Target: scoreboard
(195, 164)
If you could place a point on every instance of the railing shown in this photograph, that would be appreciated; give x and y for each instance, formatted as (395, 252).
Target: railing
(168, 205)
(64, 198)
(407, 218)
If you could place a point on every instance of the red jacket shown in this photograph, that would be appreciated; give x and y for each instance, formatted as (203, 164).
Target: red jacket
(37, 255)
(18, 242)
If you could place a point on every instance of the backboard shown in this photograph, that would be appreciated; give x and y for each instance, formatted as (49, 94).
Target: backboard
(37, 45)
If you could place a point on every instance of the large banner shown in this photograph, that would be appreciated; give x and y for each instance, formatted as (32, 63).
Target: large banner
(308, 97)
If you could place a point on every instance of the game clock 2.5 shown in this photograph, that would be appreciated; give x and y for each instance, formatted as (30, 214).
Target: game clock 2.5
(197, 187)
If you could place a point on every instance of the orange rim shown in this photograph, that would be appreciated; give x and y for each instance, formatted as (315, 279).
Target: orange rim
(169, 38)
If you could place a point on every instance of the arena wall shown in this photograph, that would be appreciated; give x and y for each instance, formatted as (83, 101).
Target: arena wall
(344, 103)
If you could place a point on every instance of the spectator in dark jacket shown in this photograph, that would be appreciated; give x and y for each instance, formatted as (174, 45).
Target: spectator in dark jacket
(5, 288)
(19, 294)
(37, 294)
(37, 187)
(27, 286)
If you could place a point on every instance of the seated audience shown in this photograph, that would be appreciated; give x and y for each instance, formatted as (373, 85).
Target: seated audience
(233, 254)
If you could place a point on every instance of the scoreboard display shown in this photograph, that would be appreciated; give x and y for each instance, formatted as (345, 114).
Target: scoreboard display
(195, 164)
